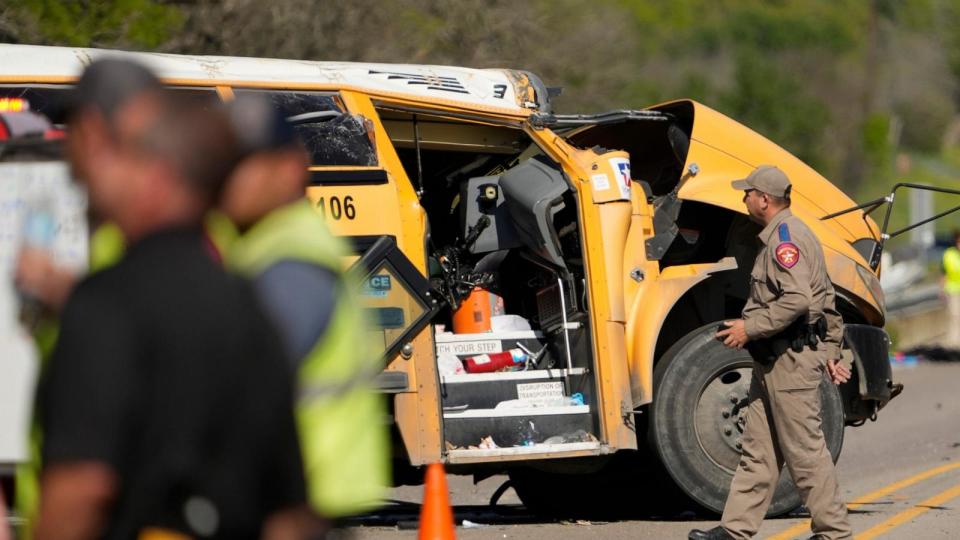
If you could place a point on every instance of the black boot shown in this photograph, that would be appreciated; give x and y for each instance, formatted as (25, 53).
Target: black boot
(716, 533)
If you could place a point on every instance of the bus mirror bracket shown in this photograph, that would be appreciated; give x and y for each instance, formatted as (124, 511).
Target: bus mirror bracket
(888, 200)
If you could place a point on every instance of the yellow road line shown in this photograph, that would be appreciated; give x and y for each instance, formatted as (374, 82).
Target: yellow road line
(907, 515)
(801, 528)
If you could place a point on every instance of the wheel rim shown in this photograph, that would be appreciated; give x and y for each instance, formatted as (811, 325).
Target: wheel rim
(720, 414)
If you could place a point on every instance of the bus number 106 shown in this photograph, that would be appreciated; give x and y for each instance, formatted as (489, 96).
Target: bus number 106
(337, 208)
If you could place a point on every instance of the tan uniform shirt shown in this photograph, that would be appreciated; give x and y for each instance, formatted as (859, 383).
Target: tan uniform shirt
(789, 281)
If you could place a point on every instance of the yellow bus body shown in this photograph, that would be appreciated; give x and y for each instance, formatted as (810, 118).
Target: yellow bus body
(631, 296)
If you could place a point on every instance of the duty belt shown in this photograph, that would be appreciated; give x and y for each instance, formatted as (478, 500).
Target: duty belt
(796, 336)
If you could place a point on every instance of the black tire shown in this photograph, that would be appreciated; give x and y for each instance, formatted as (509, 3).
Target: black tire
(694, 384)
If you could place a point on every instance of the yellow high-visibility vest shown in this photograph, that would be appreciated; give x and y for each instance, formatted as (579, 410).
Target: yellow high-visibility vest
(951, 267)
(343, 436)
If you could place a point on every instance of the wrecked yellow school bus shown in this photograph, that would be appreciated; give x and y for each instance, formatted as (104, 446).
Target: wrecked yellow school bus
(614, 244)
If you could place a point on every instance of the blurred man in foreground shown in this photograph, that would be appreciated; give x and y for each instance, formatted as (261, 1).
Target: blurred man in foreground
(93, 114)
(295, 265)
(166, 406)
(101, 122)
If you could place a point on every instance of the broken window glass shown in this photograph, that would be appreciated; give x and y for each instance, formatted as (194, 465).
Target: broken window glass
(331, 136)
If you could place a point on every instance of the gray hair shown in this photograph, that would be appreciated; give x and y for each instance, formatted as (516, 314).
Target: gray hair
(779, 201)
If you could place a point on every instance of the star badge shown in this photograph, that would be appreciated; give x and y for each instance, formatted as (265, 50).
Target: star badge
(787, 254)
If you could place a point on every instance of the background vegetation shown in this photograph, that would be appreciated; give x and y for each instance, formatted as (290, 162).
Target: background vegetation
(866, 91)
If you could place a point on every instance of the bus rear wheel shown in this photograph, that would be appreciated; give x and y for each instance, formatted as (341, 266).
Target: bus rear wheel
(696, 419)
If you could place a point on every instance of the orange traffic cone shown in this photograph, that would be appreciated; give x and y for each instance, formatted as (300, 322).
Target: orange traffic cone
(436, 516)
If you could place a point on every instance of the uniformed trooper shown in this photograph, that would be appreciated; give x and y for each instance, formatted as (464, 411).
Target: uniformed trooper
(793, 332)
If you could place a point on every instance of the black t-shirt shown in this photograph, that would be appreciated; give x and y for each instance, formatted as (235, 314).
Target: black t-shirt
(166, 370)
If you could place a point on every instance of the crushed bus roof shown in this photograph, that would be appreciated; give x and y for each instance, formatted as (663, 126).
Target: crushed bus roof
(511, 91)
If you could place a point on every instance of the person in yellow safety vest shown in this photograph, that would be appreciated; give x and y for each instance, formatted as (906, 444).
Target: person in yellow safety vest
(951, 286)
(296, 266)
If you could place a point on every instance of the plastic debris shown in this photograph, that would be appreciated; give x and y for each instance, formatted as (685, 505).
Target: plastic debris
(509, 323)
(487, 443)
(528, 433)
(572, 437)
(931, 353)
(900, 360)
(514, 404)
(449, 364)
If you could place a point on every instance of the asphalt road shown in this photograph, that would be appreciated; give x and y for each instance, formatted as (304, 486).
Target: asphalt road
(900, 477)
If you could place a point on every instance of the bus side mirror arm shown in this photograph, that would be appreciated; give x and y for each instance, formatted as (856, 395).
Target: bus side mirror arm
(888, 200)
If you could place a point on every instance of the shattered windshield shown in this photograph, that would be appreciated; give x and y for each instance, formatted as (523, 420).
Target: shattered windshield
(330, 134)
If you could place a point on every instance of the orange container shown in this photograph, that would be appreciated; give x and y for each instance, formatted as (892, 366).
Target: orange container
(473, 315)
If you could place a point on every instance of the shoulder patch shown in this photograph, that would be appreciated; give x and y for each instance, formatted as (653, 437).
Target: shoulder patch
(787, 254)
(784, 232)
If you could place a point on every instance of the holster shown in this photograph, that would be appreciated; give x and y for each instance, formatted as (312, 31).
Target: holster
(762, 351)
(796, 336)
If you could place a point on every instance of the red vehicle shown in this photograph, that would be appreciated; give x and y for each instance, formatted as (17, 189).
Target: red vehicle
(19, 126)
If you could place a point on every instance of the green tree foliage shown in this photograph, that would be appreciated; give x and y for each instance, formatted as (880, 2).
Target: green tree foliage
(140, 24)
(876, 141)
(757, 97)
